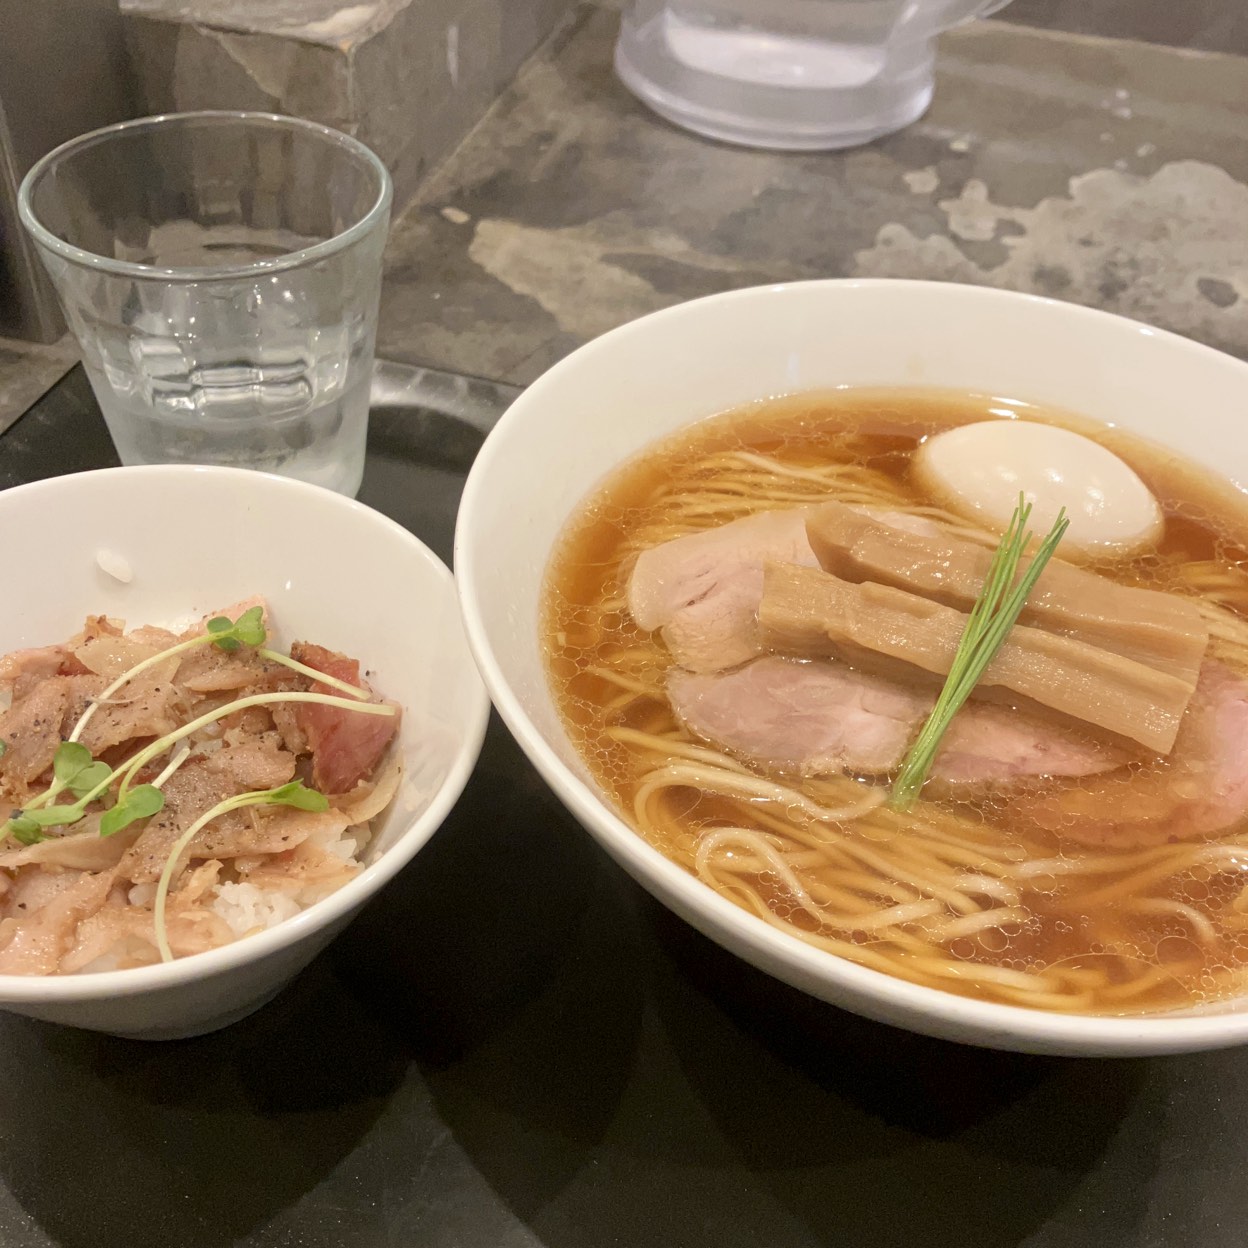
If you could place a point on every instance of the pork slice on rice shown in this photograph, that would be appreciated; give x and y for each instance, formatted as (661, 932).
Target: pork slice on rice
(31, 731)
(78, 848)
(112, 657)
(22, 670)
(156, 638)
(198, 785)
(318, 864)
(255, 762)
(207, 669)
(150, 705)
(42, 915)
(268, 831)
(286, 721)
(370, 797)
(249, 724)
(116, 937)
(191, 791)
(84, 688)
(96, 626)
(346, 745)
(123, 933)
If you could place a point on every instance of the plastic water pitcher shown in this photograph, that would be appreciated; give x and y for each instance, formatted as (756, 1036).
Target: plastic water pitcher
(795, 74)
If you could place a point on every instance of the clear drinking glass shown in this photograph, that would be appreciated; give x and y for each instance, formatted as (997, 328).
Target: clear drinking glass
(795, 74)
(221, 273)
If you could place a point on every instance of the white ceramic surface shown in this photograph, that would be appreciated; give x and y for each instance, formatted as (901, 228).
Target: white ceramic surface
(621, 392)
(334, 572)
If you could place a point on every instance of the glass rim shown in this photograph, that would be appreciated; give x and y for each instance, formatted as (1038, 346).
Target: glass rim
(257, 268)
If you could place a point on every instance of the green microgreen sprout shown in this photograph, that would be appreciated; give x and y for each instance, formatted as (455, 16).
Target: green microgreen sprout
(26, 823)
(76, 770)
(229, 635)
(140, 803)
(23, 830)
(994, 614)
(292, 794)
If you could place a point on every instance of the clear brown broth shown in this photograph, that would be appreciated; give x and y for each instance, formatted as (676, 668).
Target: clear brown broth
(1207, 522)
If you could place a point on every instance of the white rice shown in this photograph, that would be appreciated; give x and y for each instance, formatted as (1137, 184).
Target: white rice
(344, 846)
(112, 564)
(247, 908)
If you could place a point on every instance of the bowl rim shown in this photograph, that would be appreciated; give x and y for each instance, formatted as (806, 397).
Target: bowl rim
(963, 1018)
(46, 989)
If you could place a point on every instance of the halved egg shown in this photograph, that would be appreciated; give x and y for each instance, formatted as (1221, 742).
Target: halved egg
(979, 470)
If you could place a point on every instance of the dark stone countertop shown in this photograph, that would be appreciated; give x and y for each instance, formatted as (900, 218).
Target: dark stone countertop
(27, 369)
(515, 1046)
(1108, 171)
(1104, 171)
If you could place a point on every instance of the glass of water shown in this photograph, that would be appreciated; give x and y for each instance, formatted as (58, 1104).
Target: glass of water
(221, 272)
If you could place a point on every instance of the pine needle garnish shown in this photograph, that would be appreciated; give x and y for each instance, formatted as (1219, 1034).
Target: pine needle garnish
(995, 612)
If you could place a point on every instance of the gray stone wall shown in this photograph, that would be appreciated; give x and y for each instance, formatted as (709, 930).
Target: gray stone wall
(408, 77)
(63, 71)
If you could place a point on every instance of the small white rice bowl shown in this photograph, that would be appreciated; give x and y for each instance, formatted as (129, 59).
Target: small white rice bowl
(167, 544)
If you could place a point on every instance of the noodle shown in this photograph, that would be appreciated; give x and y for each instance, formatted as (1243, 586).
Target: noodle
(944, 895)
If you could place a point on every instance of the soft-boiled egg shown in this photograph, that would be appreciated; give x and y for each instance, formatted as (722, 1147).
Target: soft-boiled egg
(979, 470)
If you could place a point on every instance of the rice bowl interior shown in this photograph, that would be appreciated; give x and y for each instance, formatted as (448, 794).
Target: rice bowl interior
(186, 541)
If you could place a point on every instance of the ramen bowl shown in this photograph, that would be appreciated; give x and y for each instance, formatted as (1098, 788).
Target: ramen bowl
(618, 395)
(167, 544)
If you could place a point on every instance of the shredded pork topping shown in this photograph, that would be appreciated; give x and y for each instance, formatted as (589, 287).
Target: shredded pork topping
(78, 901)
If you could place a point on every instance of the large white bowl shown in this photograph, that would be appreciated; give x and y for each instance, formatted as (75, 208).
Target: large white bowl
(618, 394)
(334, 572)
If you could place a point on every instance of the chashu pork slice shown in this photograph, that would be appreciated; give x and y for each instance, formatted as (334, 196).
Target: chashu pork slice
(820, 718)
(702, 590)
(1201, 789)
